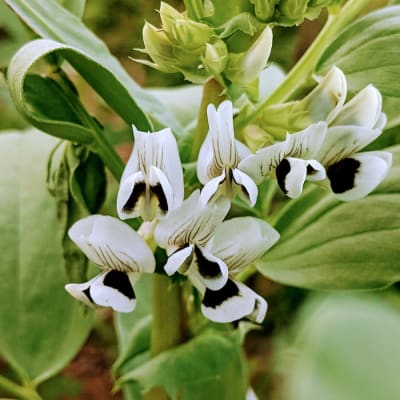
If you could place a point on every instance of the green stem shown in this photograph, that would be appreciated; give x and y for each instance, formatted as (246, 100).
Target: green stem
(212, 94)
(169, 319)
(304, 68)
(21, 392)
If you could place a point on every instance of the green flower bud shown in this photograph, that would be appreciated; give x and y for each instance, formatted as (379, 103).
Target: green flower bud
(215, 57)
(159, 48)
(264, 9)
(293, 10)
(183, 31)
(243, 68)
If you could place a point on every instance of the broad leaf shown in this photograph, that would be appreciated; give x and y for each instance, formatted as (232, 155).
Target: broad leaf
(367, 52)
(41, 327)
(327, 244)
(91, 58)
(210, 366)
(347, 349)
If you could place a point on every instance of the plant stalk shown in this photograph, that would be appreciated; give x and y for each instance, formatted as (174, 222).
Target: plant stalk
(304, 68)
(169, 317)
(212, 94)
(21, 392)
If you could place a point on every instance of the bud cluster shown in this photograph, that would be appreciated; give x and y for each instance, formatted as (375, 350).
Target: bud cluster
(199, 51)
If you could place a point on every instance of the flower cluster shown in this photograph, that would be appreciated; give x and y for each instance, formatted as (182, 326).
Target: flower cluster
(198, 242)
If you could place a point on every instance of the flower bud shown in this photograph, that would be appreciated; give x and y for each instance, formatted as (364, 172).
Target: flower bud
(264, 9)
(243, 68)
(183, 31)
(293, 10)
(215, 57)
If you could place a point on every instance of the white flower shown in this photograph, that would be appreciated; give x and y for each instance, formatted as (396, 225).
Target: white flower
(186, 232)
(219, 157)
(119, 252)
(152, 182)
(353, 175)
(238, 242)
(293, 160)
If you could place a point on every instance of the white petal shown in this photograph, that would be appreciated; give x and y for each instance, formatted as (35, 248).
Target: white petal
(108, 289)
(211, 271)
(81, 291)
(355, 177)
(219, 148)
(326, 100)
(162, 189)
(343, 141)
(178, 259)
(112, 244)
(241, 241)
(171, 164)
(204, 160)
(291, 174)
(304, 144)
(364, 109)
(234, 301)
(247, 188)
(192, 222)
(114, 290)
(211, 188)
(131, 194)
(315, 171)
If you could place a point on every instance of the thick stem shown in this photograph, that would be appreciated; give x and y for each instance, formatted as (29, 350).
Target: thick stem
(212, 94)
(304, 68)
(21, 392)
(169, 319)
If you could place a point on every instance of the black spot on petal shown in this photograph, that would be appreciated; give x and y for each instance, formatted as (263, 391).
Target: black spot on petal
(311, 170)
(214, 298)
(207, 268)
(342, 174)
(119, 281)
(162, 200)
(138, 190)
(282, 171)
(86, 292)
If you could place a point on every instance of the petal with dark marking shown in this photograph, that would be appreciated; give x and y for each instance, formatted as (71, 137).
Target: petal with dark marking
(354, 177)
(211, 271)
(112, 244)
(303, 145)
(291, 173)
(179, 259)
(248, 190)
(233, 302)
(131, 190)
(108, 289)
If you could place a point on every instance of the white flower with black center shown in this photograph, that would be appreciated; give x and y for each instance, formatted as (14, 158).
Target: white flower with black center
(293, 160)
(152, 182)
(186, 233)
(238, 242)
(119, 252)
(220, 154)
(352, 175)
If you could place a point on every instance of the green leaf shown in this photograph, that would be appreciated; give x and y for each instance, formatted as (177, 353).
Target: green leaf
(91, 58)
(210, 366)
(367, 53)
(327, 244)
(42, 328)
(76, 7)
(347, 349)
